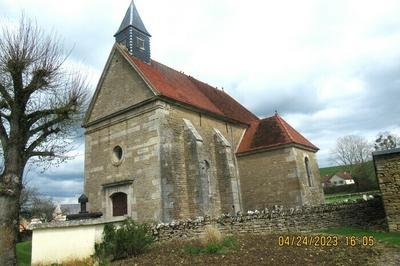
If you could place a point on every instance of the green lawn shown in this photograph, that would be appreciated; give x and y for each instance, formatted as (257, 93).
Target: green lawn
(392, 238)
(342, 197)
(338, 198)
(24, 253)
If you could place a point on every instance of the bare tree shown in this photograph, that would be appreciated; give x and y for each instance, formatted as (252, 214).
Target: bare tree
(351, 150)
(386, 141)
(35, 205)
(41, 104)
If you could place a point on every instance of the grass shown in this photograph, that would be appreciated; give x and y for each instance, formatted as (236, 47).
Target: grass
(342, 197)
(388, 237)
(228, 242)
(24, 253)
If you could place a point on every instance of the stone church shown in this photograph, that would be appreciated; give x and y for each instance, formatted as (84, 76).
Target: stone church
(161, 145)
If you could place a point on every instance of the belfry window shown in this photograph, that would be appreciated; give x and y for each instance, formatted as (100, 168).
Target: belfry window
(308, 172)
(140, 43)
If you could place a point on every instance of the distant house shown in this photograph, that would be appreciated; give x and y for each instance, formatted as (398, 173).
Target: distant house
(326, 181)
(341, 179)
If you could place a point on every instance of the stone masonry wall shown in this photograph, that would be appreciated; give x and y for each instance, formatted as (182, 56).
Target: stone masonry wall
(138, 173)
(278, 177)
(387, 167)
(311, 194)
(365, 214)
(121, 87)
(190, 151)
(269, 178)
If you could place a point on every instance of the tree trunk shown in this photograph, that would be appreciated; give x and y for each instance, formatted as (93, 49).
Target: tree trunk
(9, 218)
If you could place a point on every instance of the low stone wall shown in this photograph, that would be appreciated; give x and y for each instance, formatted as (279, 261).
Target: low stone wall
(73, 240)
(366, 214)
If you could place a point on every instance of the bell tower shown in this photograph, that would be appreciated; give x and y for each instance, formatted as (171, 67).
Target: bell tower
(133, 34)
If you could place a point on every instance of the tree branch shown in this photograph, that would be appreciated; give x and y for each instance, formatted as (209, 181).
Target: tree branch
(6, 95)
(5, 116)
(35, 116)
(3, 135)
(40, 140)
(46, 125)
(41, 153)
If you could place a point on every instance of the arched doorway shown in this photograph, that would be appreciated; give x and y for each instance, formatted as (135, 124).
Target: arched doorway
(119, 204)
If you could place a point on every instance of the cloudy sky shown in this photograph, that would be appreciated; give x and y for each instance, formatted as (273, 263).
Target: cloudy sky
(330, 68)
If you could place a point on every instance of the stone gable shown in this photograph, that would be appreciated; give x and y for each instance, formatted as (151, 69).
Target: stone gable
(119, 88)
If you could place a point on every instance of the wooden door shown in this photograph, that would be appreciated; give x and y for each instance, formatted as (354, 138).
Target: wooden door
(120, 204)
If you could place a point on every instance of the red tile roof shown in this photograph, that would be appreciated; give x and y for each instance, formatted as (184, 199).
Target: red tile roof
(172, 84)
(271, 132)
(344, 175)
(186, 89)
(326, 179)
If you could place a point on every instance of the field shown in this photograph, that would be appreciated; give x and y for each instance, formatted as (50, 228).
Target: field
(390, 238)
(266, 250)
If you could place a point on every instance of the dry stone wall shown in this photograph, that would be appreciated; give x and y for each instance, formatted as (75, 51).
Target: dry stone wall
(387, 165)
(365, 214)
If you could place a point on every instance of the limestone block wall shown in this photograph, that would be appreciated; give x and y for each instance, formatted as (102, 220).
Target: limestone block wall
(311, 192)
(137, 174)
(189, 152)
(364, 214)
(120, 87)
(278, 177)
(269, 178)
(387, 167)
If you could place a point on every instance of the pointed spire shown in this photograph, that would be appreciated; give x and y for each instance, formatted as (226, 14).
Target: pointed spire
(133, 35)
(133, 19)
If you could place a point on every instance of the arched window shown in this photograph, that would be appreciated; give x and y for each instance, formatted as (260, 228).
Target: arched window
(307, 164)
(119, 204)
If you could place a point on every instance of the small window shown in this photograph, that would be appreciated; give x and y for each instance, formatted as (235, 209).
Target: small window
(140, 43)
(308, 172)
(117, 154)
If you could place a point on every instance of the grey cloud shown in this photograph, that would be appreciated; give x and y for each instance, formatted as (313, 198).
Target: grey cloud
(301, 99)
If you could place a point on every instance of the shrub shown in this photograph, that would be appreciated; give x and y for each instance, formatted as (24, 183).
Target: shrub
(213, 248)
(211, 235)
(211, 242)
(129, 239)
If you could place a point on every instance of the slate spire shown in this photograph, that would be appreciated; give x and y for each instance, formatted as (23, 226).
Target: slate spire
(133, 34)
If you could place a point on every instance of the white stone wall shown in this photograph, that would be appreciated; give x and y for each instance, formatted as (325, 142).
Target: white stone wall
(65, 241)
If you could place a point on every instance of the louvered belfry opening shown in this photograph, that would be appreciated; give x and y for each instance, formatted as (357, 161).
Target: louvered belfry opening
(119, 203)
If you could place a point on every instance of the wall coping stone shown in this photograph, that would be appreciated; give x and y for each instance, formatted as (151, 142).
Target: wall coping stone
(74, 223)
(385, 152)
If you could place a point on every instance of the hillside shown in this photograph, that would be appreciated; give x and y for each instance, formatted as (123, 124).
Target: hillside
(331, 170)
(364, 174)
